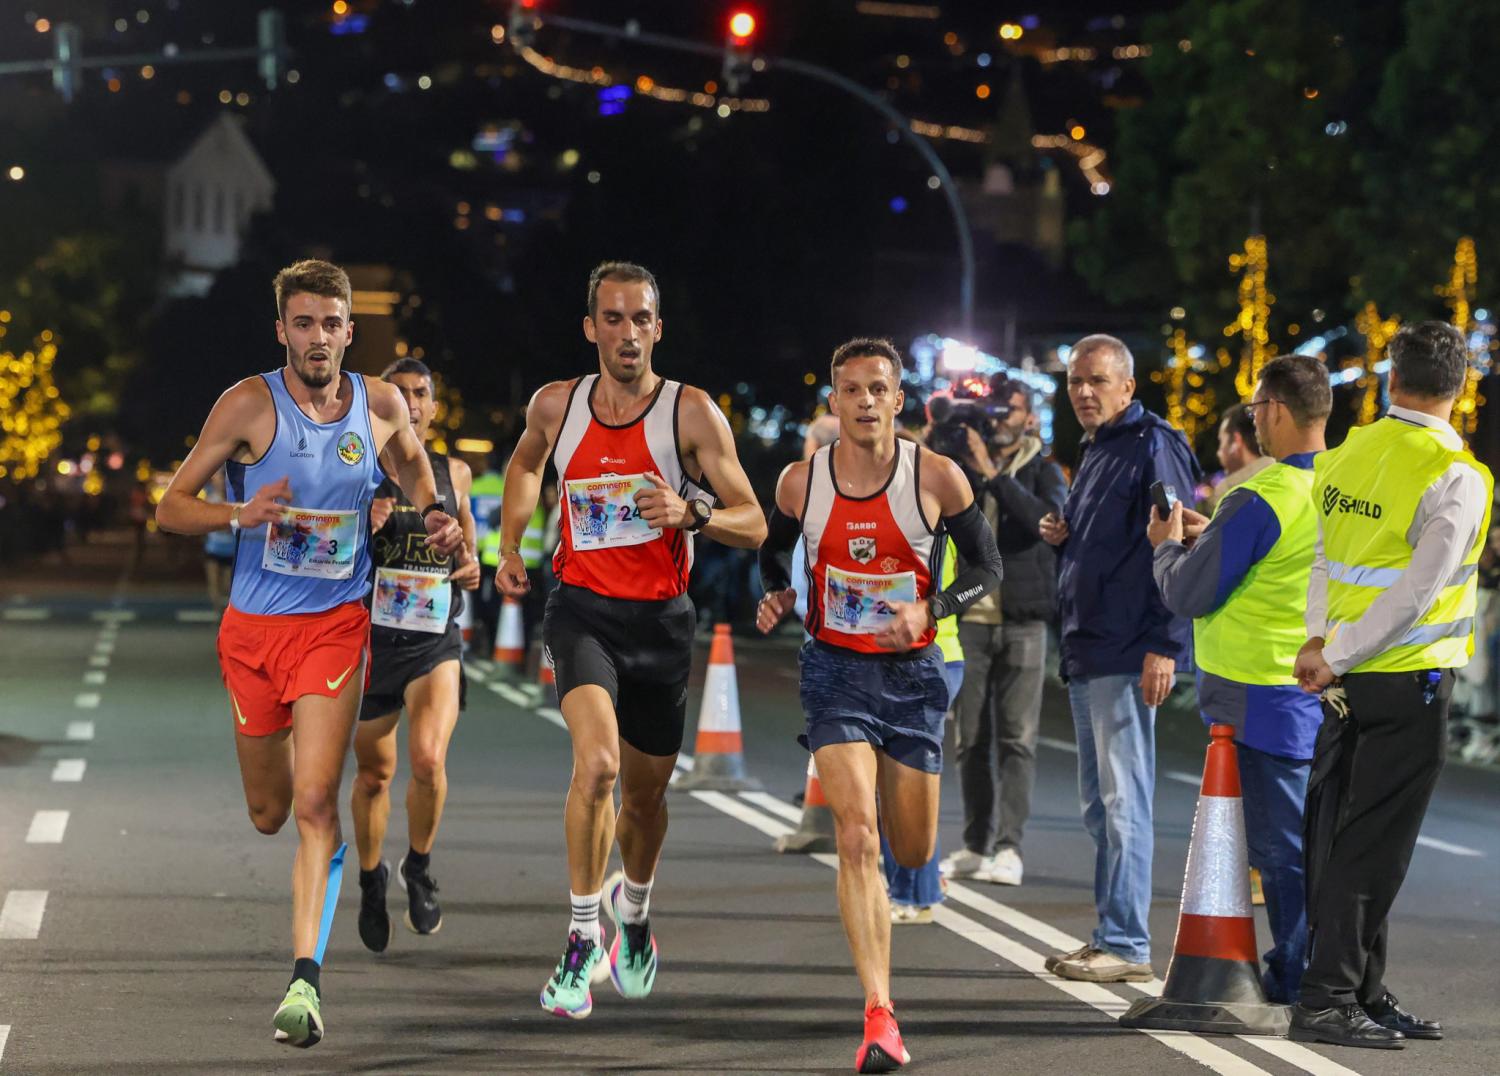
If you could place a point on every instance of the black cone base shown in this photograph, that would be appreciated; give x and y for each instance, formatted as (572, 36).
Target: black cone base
(1228, 1018)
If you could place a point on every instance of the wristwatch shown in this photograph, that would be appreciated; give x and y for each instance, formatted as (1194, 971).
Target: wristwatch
(435, 506)
(701, 511)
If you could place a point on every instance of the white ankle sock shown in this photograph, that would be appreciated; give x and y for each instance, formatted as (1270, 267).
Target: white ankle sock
(585, 915)
(635, 900)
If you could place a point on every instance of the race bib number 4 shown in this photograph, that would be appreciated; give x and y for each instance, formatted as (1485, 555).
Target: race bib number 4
(602, 512)
(411, 601)
(859, 604)
(312, 543)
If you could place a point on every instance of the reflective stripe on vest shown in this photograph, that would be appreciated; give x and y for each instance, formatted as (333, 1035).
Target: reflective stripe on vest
(1267, 605)
(1368, 491)
(489, 549)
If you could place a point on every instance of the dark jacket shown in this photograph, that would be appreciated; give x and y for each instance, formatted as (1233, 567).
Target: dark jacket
(1112, 614)
(1015, 503)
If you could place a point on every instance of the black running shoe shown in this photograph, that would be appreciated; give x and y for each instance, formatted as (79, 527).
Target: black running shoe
(422, 913)
(374, 921)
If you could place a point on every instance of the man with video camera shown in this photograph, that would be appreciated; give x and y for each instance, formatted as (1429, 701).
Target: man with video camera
(1004, 636)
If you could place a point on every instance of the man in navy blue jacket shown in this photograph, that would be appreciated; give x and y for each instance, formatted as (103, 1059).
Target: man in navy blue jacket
(1121, 646)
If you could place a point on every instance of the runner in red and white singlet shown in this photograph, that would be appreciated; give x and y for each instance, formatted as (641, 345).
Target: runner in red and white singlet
(636, 457)
(875, 512)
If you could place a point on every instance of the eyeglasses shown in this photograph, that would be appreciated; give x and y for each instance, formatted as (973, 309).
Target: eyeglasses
(1257, 403)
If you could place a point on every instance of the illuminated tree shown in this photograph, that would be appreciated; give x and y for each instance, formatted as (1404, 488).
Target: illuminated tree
(32, 410)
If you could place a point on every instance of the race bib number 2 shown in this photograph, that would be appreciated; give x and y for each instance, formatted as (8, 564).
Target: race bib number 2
(312, 543)
(859, 604)
(602, 512)
(411, 601)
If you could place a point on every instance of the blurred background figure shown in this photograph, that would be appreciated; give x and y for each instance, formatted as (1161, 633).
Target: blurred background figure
(1240, 454)
(218, 549)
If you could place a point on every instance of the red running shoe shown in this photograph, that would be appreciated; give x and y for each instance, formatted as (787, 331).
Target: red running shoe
(882, 1050)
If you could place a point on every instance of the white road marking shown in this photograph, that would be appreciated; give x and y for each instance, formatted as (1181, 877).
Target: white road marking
(768, 802)
(80, 730)
(114, 616)
(1185, 778)
(69, 769)
(553, 715)
(100, 661)
(88, 700)
(510, 694)
(4, 1034)
(197, 616)
(47, 827)
(1058, 745)
(27, 614)
(1444, 846)
(104, 646)
(95, 677)
(21, 914)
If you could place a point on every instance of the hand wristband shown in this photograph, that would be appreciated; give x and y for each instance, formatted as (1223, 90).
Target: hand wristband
(435, 506)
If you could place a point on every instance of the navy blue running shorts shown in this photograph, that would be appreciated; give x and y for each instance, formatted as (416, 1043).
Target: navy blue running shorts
(896, 703)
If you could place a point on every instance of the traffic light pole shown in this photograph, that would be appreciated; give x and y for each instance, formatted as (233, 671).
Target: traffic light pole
(633, 32)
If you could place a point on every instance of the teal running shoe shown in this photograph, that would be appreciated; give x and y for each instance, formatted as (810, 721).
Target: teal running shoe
(632, 957)
(298, 1022)
(567, 992)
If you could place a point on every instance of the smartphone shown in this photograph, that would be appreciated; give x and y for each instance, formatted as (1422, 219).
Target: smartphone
(1164, 497)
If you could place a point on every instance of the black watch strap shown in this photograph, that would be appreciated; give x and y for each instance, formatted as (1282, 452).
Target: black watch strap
(701, 510)
(435, 506)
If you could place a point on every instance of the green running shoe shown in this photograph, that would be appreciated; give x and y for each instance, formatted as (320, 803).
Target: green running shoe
(298, 1021)
(567, 992)
(632, 957)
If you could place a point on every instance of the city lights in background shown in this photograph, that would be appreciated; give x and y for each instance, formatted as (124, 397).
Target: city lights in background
(943, 363)
(742, 26)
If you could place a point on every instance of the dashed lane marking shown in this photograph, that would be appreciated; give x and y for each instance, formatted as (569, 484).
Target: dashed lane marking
(27, 614)
(88, 700)
(100, 661)
(4, 1034)
(47, 827)
(510, 694)
(1444, 846)
(104, 646)
(80, 730)
(113, 616)
(21, 914)
(95, 677)
(69, 769)
(197, 616)
(1184, 778)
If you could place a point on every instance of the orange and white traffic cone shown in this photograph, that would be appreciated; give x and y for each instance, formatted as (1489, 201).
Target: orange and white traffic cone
(466, 623)
(510, 640)
(546, 673)
(719, 751)
(1213, 983)
(815, 831)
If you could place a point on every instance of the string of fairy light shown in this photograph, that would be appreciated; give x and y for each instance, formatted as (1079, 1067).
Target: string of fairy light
(32, 410)
(1190, 397)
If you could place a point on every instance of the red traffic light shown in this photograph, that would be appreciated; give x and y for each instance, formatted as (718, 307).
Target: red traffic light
(742, 26)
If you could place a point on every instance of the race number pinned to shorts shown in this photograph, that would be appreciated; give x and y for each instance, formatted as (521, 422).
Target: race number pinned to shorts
(312, 543)
(411, 601)
(603, 514)
(859, 604)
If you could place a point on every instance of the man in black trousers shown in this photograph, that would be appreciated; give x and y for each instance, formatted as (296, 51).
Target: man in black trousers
(1403, 512)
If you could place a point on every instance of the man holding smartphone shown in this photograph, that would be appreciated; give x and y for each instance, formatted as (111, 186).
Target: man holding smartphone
(1121, 646)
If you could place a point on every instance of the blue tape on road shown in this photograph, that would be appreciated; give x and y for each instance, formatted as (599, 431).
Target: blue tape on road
(330, 900)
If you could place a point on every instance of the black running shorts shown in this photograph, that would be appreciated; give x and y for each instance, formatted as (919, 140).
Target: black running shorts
(638, 651)
(399, 657)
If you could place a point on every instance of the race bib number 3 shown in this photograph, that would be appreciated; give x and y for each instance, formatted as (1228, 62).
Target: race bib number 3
(602, 512)
(859, 604)
(411, 601)
(312, 543)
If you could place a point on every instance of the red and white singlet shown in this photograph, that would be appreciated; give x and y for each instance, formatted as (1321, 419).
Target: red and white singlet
(606, 546)
(864, 552)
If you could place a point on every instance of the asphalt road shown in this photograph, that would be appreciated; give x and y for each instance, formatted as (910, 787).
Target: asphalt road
(160, 917)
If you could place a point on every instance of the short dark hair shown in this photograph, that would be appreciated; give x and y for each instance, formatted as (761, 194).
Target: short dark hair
(1238, 419)
(1300, 382)
(1430, 359)
(313, 277)
(407, 365)
(625, 272)
(862, 347)
(1002, 388)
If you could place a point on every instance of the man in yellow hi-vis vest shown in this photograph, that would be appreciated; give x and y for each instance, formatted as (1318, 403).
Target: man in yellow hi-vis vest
(1403, 511)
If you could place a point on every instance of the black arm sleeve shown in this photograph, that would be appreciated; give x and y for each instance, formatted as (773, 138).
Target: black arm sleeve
(775, 557)
(976, 547)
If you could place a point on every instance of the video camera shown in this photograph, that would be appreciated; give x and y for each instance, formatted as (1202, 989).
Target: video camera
(972, 406)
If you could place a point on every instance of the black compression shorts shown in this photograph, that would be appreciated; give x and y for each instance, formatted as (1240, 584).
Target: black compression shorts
(638, 651)
(399, 657)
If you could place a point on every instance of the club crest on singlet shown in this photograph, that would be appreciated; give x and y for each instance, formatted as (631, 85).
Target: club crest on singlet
(312, 543)
(862, 549)
(350, 448)
(602, 513)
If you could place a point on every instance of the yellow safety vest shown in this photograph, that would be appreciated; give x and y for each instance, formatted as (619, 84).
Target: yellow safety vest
(1253, 638)
(947, 628)
(1368, 490)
